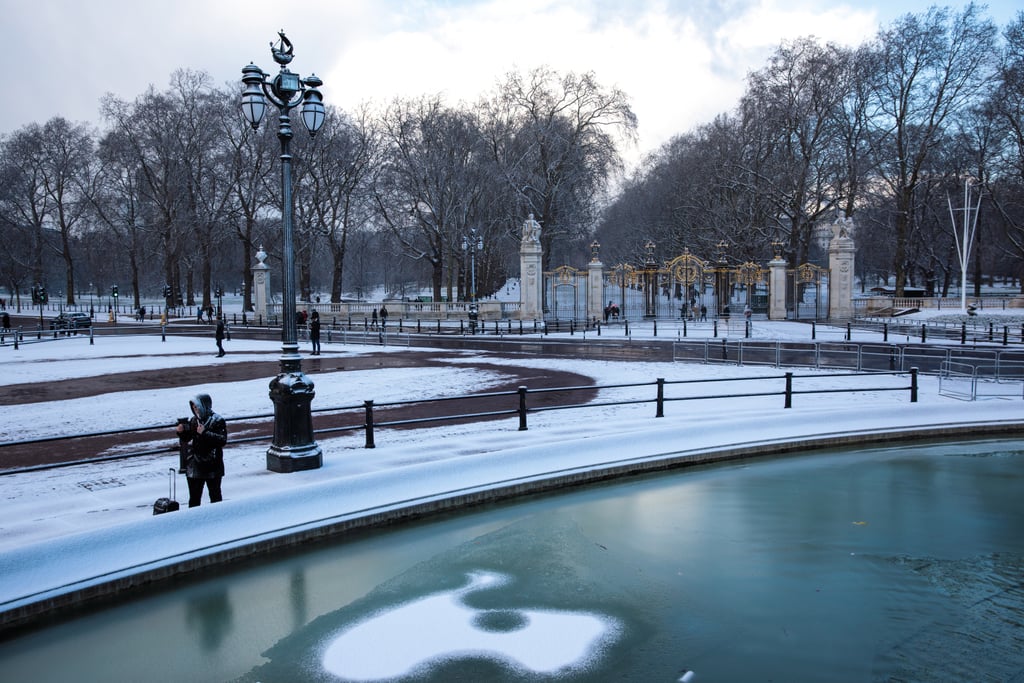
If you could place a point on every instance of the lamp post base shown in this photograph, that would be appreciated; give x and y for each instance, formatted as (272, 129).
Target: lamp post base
(293, 449)
(294, 460)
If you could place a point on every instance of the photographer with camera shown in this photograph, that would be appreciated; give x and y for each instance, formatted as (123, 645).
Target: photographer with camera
(201, 439)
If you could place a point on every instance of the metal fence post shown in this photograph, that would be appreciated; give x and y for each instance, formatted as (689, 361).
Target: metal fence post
(522, 409)
(661, 398)
(789, 390)
(368, 405)
(913, 385)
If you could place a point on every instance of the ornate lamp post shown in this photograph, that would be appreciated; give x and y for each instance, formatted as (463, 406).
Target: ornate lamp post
(291, 391)
(474, 244)
(722, 282)
(650, 281)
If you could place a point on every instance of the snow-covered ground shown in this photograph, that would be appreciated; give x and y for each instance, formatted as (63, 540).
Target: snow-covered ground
(78, 526)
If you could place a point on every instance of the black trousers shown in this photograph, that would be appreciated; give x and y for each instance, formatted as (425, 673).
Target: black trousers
(195, 491)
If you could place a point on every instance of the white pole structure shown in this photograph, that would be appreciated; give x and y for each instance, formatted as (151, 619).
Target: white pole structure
(965, 239)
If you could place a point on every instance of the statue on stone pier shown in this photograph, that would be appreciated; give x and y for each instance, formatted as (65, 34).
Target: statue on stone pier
(531, 230)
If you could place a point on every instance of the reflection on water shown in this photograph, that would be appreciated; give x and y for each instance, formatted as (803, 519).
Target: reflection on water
(889, 564)
(209, 617)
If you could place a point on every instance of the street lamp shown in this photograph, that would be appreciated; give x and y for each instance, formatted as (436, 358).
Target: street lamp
(474, 244)
(39, 294)
(293, 448)
(650, 281)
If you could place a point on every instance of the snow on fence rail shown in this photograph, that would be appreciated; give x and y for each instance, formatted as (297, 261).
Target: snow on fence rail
(517, 403)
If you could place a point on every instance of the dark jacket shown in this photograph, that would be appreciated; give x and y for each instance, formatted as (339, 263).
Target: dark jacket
(205, 452)
(220, 332)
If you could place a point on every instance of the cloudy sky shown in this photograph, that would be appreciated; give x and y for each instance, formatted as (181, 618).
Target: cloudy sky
(679, 61)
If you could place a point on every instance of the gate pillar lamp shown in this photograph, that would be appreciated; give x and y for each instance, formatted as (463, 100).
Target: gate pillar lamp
(293, 448)
(722, 284)
(650, 281)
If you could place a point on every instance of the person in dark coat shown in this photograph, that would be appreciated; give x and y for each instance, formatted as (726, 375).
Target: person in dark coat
(383, 316)
(314, 332)
(202, 440)
(219, 335)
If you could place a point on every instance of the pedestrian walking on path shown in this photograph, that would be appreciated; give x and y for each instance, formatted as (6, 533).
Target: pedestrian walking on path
(314, 332)
(219, 335)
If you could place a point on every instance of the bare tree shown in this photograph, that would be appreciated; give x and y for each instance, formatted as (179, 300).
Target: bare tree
(67, 155)
(430, 181)
(928, 69)
(116, 199)
(795, 105)
(146, 127)
(339, 179)
(554, 138)
(253, 183)
(1006, 108)
(25, 205)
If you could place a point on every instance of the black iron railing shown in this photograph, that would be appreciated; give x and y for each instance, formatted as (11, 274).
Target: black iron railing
(507, 404)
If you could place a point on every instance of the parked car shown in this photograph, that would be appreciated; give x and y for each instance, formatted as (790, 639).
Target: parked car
(71, 321)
